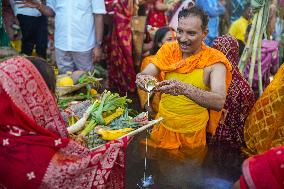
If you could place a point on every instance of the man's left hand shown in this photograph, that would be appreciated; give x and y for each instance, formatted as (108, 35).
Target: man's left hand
(172, 87)
(97, 54)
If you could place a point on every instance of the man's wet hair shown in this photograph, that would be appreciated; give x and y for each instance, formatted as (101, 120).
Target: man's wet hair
(195, 11)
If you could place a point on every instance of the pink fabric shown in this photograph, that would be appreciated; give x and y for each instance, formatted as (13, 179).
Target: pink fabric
(269, 64)
(265, 170)
(35, 149)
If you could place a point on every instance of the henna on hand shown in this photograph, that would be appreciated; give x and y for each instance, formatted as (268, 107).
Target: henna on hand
(142, 79)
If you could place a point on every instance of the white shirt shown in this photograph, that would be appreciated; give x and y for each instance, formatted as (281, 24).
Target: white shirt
(24, 11)
(74, 23)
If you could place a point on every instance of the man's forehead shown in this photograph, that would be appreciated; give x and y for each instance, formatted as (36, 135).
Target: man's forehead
(191, 22)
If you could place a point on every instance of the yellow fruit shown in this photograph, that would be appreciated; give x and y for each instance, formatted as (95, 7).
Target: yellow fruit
(64, 81)
(94, 92)
(113, 134)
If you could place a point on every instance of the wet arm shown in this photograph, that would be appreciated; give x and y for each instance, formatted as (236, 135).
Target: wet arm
(215, 98)
(150, 69)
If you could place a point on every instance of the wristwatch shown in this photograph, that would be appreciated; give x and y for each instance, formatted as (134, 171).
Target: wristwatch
(98, 44)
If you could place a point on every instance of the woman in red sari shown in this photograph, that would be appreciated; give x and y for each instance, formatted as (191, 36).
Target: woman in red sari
(157, 13)
(34, 145)
(121, 72)
(263, 171)
(240, 97)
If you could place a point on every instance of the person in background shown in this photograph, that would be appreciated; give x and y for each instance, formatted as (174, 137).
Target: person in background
(157, 13)
(174, 20)
(265, 123)
(187, 91)
(35, 147)
(33, 26)
(272, 18)
(78, 31)
(214, 8)
(239, 27)
(4, 38)
(263, 171)
(239, 100)
(236, 9)
(121, 70)
(269, 64)
(162, 35)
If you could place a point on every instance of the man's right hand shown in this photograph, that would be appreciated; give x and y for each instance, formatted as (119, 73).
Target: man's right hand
(142, 79)
(28, 3)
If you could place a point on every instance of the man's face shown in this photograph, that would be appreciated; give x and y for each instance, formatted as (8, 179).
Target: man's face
(190, 35)
(248, 13)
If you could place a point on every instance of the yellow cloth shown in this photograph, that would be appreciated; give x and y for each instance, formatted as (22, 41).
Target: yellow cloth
(169, 59)
(184, 121)
(264, 127)
(238, 28)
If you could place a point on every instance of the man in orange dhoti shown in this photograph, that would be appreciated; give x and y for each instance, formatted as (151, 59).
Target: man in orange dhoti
(196, 80)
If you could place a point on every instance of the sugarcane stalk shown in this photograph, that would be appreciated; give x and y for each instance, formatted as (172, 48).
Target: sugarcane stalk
(259, 68)
(263, 31)
(248, 48)
(255, 47)
(91, 125)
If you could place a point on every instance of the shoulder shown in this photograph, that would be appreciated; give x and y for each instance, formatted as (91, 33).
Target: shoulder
(219, 67)
(169, 47)
(214, 53)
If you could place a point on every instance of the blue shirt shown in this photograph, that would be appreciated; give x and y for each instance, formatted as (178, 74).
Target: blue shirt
(214, 9)
(237, 9)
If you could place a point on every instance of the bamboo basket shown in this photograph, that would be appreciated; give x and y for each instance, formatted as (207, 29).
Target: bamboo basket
(136, 131)
(7, 52)
(61, 91)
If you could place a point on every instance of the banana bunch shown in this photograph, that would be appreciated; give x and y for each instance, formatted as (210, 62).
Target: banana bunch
(107, 134)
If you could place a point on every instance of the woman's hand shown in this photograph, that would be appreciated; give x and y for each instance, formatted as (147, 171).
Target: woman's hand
(142, 79)
(172, 87)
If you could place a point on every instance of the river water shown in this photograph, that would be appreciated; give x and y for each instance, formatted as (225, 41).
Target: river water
(218, 167)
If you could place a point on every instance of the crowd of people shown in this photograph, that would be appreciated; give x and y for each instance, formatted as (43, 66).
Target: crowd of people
(199, 90)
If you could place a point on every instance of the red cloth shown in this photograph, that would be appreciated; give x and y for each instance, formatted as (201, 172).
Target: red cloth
(156, 18)
(121, 72)
(35, 150)
(265, 170)
(239, 100)
(243, 184)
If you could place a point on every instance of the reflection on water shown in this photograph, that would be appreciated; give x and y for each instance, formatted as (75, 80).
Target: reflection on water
(214, 168)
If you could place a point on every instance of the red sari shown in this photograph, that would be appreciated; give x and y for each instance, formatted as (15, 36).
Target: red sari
(35, 149)
(264, 171)
(239, 100)
(121, 72)
(156, 18)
